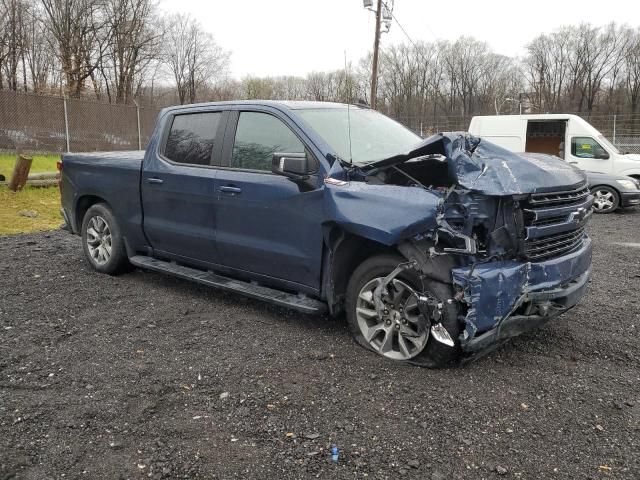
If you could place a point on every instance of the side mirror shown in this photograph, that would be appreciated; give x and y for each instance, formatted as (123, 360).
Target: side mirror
(292, 165)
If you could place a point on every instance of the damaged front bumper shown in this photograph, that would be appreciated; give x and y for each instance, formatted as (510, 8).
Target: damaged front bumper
(507, 298)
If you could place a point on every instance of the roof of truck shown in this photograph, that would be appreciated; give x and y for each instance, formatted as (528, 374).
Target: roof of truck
(535, 116)
(288, 104)
(575, 120)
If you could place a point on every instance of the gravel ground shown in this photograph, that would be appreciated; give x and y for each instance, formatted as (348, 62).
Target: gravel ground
(145, 376)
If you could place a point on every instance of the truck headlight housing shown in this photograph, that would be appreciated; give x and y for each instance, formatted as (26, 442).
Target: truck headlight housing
(628, 184)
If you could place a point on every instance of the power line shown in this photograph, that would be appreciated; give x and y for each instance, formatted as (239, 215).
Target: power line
(415, 46)
(403, 29)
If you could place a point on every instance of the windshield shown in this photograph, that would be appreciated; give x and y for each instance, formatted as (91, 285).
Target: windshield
(610, 145)
(373, 136)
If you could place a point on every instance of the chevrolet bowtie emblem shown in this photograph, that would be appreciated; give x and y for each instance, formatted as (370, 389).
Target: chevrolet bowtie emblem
(579, 215)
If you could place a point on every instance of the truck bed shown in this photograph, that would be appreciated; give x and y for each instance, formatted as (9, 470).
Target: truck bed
(112, 176)
(128, 157)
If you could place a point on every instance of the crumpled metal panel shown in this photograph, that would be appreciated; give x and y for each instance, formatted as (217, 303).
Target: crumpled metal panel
(484, 167)
(492, 289)
(384, 213)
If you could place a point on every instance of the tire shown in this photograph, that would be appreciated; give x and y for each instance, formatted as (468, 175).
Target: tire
(606, 200)
(102, 241)
(417, 350)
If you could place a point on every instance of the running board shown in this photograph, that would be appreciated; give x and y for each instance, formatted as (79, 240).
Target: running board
(297, 302)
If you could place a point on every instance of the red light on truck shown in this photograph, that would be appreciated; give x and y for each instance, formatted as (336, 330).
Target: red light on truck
(59, 168)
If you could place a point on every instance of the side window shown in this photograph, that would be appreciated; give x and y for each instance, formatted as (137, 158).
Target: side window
(587, 147)
(192, 137)
(258, 137)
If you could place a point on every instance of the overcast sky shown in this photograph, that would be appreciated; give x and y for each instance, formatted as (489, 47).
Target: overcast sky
(294, 37)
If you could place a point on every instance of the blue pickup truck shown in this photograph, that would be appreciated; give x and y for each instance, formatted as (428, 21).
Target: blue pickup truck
(436, 250)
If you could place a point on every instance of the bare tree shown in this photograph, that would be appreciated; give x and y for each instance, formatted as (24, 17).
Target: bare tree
(289, 88)
(39, 54)
(194, 59)
(546, 68)
(3, 42)
(411, 77)
(133, 45)
(258, 88)
(79, 29)
(318, 87)
(632, 71)
(13, 41)
(600, 52)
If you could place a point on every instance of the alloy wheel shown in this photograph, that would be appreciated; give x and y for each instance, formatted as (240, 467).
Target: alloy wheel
(401, 333)
(604, 200)
(99, 240)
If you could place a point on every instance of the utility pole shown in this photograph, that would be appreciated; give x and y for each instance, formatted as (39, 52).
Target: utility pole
(374, 66)
(384, 14)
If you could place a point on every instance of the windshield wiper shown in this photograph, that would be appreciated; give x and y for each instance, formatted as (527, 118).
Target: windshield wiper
(344, 163)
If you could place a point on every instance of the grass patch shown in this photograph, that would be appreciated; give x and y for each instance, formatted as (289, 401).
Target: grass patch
(41, 163)
(43, 202)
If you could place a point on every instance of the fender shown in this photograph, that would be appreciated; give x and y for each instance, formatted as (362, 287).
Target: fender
(385, 214)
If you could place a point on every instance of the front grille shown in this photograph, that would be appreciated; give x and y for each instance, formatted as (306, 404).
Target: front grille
(560, 198)
(554, 223)
(554, 245)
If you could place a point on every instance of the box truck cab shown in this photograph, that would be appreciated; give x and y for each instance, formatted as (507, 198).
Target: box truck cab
(567, 136)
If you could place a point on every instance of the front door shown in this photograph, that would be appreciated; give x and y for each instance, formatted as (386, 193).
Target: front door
(265, 223)
(178, 187)
(588, 154)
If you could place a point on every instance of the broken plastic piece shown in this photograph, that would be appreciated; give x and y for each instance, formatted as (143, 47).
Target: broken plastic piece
(441, 334)
(334, 453)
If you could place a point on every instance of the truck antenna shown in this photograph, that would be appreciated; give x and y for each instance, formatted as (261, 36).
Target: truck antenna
(346, 80)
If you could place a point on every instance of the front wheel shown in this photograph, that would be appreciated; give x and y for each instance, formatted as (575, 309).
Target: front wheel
(606, 199)
(102, 241)
(403, 333)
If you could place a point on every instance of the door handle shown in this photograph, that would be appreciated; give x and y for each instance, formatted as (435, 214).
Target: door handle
(230, 189)
(157, 181)
(573, 163)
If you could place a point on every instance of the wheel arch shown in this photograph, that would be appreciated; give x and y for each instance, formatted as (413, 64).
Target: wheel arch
(84, 203)
(343, 253)
(605, 185)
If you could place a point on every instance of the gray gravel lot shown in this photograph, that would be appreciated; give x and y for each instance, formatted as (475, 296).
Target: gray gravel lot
(145, 376)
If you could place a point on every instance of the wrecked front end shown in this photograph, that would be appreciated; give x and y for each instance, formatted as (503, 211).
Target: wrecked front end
(506, 231)
(543, 272)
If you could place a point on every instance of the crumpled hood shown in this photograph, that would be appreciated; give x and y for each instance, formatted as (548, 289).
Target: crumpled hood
(481, 166)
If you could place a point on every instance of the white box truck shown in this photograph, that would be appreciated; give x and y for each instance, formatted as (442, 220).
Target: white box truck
(566, 136)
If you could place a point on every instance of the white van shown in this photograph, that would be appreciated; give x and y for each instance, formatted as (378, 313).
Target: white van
(567, 136)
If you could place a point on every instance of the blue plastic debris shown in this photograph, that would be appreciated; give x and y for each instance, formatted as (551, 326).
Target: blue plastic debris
(334, 453)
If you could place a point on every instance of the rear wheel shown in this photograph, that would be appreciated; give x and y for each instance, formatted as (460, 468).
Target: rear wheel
(402, 334)
(102, 241)
(606, 199)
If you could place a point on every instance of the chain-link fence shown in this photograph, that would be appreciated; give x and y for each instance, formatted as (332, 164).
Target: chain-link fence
(39, 123)
(52, 124)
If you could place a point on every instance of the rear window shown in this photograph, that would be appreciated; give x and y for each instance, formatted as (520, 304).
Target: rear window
(192, 137)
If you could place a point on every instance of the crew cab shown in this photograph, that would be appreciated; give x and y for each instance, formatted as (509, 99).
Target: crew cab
(436, 249)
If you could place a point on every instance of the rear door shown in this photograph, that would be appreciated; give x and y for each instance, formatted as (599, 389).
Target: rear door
(266, 224)
(178, 187)
(546, 136)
